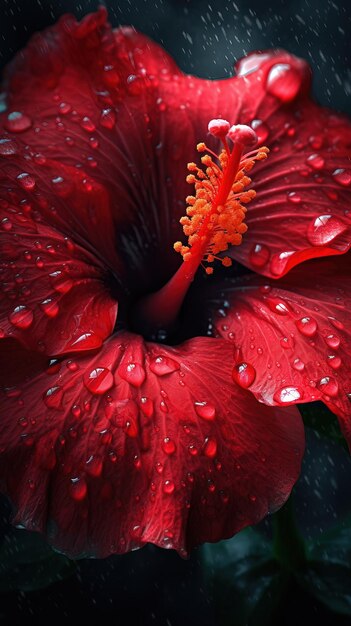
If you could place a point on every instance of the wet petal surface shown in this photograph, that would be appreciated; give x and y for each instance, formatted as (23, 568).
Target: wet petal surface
(142, 443)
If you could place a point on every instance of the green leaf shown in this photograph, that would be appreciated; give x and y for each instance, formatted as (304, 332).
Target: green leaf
(328, 573)
(330, 584)
(317, 416)
(246, 580)
(27, 562)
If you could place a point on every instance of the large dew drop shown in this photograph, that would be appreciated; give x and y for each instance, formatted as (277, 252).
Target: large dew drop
(307, 326)
(284, 82)
(244, 374)
(324, 229)
(17, 122)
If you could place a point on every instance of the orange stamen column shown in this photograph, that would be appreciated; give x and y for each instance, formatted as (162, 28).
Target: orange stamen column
(214, 218)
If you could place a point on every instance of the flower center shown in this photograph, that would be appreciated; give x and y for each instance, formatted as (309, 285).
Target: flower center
(214, 217)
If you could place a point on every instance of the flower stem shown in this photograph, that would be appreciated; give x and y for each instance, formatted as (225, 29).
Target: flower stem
(288, 544)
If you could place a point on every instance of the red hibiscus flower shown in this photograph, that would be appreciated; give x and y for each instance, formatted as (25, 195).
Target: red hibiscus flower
(138, 392)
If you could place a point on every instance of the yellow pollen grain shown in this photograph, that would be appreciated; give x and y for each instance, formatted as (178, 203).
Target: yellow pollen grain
(215, 228)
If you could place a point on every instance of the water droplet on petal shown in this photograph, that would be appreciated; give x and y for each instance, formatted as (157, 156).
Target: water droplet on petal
(329, 386)
(210, 447)
(8, 147)
(17, 122)
(261, 129)
(132, 373)
(287, 395)
(134, 84)
(147, 406)
(99, 380)
(108, 118)
(168, 446)
(251, 63)
(333, 341)
(278, 306)
(279, 262)
(287, 342)
(307, 326)
(6, 224)
(336, 323)
(26, 181)
(259, 255)
(324, 229)
(78, 489)
(65, 108)
(53, 397)
(162, 365)
(298, 365)
(94, 466)
(21, 317)
(205, 410)
(62, 186)
(244, 374)
(88, 124)
(168, 487)
(334, 361)
(342, 177)
(284, 82)
(49, 307)
(315, 161)
(294, 197)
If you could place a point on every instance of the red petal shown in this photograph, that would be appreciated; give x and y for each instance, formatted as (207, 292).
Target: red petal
(303, 191)
(50, 156)
(53, 296)
(112, 109)
(293, 338)
(144, 443)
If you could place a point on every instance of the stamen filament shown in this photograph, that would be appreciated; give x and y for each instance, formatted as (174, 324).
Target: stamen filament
(213, 221)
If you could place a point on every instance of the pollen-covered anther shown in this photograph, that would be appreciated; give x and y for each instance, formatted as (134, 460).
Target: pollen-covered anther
(215, 214)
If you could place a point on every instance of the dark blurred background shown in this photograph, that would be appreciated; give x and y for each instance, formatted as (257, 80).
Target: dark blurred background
(206, 37)
(151, 587)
